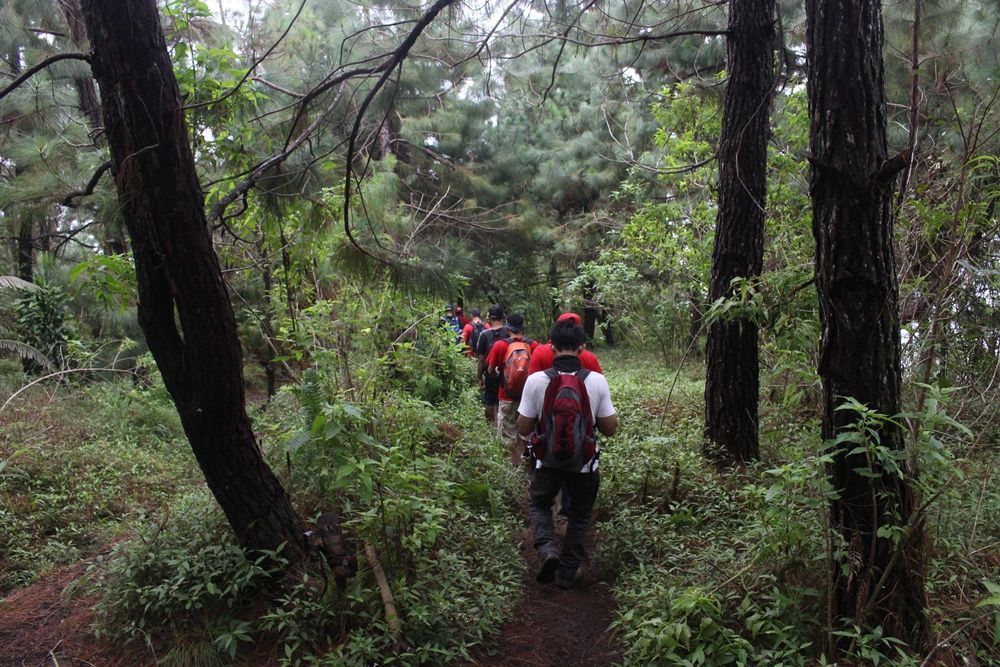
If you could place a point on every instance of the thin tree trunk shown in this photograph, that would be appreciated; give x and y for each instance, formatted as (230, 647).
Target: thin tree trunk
(589, 311)
(732, 382)
(876, 582)
(184, 306)
(25, 249)
(914, 111)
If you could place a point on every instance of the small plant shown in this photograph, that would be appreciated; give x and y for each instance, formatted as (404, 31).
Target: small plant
(679, 626)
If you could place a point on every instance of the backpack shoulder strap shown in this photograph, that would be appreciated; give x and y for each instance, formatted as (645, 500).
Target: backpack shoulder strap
(582, 374)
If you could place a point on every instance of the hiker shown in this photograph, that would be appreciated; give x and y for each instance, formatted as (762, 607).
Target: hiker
(450, 321)
(510, 358)
(490, 382)
(561, 411)
(472, 330)
(460, 314)
(542, 359)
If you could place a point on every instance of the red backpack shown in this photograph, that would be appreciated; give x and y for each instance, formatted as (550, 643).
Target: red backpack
(564, 437)
(515, 367)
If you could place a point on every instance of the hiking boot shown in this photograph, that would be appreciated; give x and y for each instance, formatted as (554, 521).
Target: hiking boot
(572, 581)
(547, 572)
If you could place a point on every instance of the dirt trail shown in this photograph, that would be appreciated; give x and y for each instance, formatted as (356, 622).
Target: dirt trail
(575, 621)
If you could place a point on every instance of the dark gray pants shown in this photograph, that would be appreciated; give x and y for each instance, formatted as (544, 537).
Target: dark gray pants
(545, 484)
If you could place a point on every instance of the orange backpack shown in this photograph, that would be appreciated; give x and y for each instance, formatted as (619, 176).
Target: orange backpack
(515, 367)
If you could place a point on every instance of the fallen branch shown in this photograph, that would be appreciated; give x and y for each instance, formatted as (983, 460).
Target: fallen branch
(391, 615)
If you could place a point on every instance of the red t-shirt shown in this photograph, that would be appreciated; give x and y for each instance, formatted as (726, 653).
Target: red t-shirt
(496, 356)
(543, 358)
(466, 332)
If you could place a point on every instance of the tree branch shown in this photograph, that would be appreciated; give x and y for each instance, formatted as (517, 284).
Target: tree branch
(89, 189)
(31, 71)
(252, 67)
(397, 57)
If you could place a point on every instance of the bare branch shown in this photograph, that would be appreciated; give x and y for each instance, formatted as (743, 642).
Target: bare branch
(31, 71)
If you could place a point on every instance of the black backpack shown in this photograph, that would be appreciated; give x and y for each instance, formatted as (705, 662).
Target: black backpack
(477, 330)
(487, 338)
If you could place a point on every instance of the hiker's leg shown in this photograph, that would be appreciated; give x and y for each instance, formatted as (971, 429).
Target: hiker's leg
(507, 428)
(564, 500)
(583, 492)
(490, 400)
(544, 486)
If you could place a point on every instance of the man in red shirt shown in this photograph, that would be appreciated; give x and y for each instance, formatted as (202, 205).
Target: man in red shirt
(544, 357)
(510, 357)
(467, 332)
(460, 314)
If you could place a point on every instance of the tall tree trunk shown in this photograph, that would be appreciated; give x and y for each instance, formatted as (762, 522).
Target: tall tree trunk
(25, 249)
(90, 106)
(877, 582)
(184, 307)
(732, 382)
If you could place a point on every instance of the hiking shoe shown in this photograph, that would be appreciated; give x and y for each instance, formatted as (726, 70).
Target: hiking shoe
(547, 572)
(572, 581)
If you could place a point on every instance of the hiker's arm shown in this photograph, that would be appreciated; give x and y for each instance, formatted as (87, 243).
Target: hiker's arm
(525, 426)
(606, 425)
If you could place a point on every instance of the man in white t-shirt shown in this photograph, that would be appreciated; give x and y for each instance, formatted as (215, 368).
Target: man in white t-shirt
(564, 565)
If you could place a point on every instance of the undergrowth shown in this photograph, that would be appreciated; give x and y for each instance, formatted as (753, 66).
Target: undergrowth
(730, 567)
(78, 466)
(407, 480)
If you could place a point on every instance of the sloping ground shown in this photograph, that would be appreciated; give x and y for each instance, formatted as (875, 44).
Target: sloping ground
(554, 627)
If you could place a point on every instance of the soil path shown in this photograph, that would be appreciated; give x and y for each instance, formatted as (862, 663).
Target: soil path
(575, 621)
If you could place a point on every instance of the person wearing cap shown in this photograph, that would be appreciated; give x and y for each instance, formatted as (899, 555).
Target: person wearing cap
(490, 382)
(509, 402)
(544, 357)
(564, 563)
(469, 332)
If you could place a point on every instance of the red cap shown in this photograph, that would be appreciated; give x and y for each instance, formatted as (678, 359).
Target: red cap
(569, 317)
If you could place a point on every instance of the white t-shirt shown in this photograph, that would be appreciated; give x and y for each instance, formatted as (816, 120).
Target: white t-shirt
(533, 398)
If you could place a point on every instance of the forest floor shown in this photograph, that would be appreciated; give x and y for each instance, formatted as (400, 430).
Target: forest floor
(46, 624)
(42, 625)
(552, 627)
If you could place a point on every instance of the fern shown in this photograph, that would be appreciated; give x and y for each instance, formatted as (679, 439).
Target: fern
(13, 282)
(25, 351)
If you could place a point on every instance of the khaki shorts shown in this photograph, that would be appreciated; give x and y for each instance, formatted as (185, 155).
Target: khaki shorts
(507, 429)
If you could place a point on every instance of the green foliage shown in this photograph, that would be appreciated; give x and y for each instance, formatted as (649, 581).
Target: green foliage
(671, 626)
(178, 575)
(79, 468)
(42, 322)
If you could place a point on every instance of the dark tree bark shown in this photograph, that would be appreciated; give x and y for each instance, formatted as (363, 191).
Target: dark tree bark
(90, 106)
(876, 583)
(26, 250)
(732, 382)
(184, 307)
